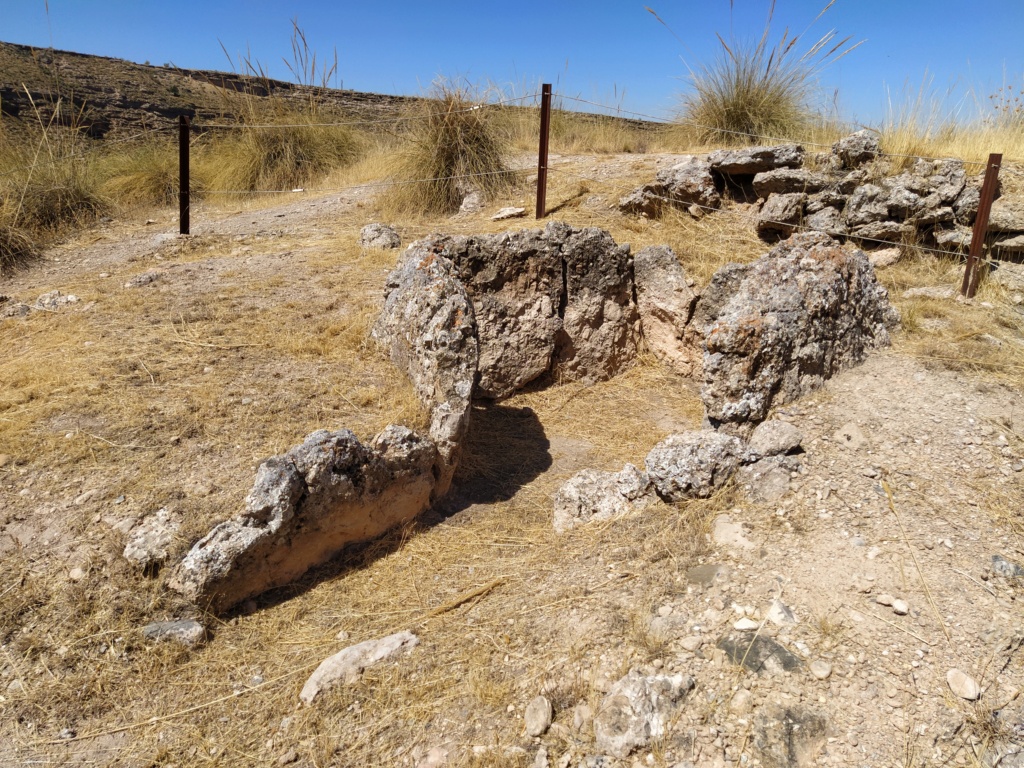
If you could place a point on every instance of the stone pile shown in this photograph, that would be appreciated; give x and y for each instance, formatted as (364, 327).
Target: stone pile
(850, 194)
(484, 316)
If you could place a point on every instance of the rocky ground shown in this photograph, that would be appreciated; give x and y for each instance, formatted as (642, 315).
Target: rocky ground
(865, 616)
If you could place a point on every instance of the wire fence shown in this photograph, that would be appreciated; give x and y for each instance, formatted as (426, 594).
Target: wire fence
(615, 112)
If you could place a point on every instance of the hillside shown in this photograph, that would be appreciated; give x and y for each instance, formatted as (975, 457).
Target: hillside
(110, 96)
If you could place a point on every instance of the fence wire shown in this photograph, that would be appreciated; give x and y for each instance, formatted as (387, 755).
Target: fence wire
(396, 118)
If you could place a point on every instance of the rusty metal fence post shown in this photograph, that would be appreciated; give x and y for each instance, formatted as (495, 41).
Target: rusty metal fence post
(988, 193)
(542, 154)
(183, 175)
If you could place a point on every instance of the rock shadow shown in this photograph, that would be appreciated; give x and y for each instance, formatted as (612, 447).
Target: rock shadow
(505, 449)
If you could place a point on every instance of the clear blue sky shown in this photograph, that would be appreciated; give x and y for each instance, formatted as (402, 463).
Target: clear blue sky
(599, 49)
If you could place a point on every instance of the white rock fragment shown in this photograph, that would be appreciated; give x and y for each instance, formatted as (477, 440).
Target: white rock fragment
(963, 685)
(538, 716)
(347, 665)
(822, 670)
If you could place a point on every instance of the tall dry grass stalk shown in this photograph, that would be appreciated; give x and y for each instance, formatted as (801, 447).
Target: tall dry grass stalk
(759, 89)
(48, 185)
(923, 122)
(452, 146)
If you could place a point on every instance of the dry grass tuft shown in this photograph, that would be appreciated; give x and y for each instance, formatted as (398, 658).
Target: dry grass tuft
(452, 147)
(146, 174)
(759, 89)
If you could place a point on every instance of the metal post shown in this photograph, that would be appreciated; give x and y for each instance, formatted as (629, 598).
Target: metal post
(542, 158)
(183, 175)
(988, 193)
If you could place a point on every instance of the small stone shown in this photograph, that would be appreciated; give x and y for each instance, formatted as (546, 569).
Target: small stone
(1006, 568)
(900, 607)
(740, 703)
(187, 632)
(76, 574)
(288, 757)
(67, 733)
(665, 610)
(781, 614)
(379, 236)
(886, 257)
(884, 599)
(745, 624)
(538, 716)
(5, 459)
(822, 670)
(508, 213)
(691, 643)
(964, 686)
(342, 636)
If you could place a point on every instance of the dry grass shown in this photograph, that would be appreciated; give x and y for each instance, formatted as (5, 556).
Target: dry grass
(761, 88)
(451, 147)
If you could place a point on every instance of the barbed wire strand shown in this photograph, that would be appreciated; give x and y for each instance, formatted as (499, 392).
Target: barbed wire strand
(954, 254)
(368, 185)
(663, 121)
(396, 118)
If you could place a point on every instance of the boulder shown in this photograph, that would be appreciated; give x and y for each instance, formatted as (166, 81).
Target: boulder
(690, 181)
(304, 507)
(346, 666)
(557, 301)
(856, 149)
(867, 204)
(750, 161)
(666, 302)
(693, 464)
(600, 324)
(514, 282)
(827, 220)
(592, 495)
(786, 323)
(429, 329)
(379, 236)
(781, 215)
(638, 710)
(789, 180)
(1007, 216)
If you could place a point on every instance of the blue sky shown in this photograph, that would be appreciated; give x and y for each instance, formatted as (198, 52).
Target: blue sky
(605, 50)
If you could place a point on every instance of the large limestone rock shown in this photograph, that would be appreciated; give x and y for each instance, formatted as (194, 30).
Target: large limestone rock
(666, 302)
(514, 281)
(788, 180)
(600, 323)
(693, 464)
(856, 149)
(557, 301)
(429, 328)
(1007, 216)
(786, 323)
(781, 214)
(750, 161)
(638, 710)
(687, 183)
(304, 507)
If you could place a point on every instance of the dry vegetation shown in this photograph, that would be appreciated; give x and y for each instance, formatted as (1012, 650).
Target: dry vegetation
(169, 395)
